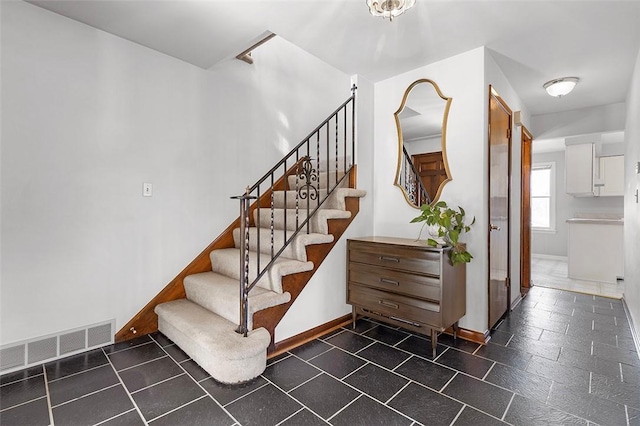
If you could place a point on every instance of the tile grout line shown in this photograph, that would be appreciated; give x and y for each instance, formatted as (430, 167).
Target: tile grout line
(345, 407)
(448, 381)
(159, 383)
(291, 416)
(196, 382)
(293, 397)
(23, 403)
(126, 349)
(20, 380)
(179, 407)
(48, 395)
(114, 417)
(242, 396)
(458, 415)
(488, 371)
(84, 396)
(125, 388)
(146, 362)
(504, 415)
(355, 388)
(626, 412)
(398, 392)
(79, 372)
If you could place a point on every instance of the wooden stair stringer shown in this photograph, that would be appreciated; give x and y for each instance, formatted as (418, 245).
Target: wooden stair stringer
(146, 320)
(294, 284)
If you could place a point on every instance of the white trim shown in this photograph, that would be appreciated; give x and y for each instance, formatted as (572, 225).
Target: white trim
(634, 331)
(549, 257)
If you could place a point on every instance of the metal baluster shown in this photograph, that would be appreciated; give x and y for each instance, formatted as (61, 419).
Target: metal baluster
(337, 151)
(244, 261)
(353, 123)
(344, 148)
(272, 213)
(257, 229)
(328, 157)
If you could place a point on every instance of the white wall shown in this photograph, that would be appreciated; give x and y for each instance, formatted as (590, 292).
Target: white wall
(496, 78)
(88, 117)
(601, 118)
(461, 78)
(567, 206)
(325, 297)
(631, 206)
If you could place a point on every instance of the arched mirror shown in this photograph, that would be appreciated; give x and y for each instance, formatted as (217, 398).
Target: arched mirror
(422, 135)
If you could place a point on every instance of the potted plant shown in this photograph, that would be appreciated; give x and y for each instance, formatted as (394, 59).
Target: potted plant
(446, 225)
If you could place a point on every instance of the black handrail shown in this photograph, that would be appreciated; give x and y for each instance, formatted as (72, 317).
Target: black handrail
(307, 190)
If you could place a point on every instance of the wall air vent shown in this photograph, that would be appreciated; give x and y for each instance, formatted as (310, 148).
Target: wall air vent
(18, 355)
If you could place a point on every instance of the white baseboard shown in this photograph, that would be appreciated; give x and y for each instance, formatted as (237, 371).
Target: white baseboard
(634, 330)
(549, 257)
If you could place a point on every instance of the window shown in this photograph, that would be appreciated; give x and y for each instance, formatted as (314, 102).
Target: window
(543, 197)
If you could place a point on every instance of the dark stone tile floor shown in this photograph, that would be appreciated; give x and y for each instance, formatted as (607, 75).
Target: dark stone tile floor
(558, 358)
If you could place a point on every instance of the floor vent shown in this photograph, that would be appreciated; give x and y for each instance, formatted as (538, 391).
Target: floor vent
(19, 355)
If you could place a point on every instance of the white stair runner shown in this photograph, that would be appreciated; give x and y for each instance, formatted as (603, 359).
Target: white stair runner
(204, 323)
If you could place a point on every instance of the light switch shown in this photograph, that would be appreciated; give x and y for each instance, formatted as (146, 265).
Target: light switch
(147, 189)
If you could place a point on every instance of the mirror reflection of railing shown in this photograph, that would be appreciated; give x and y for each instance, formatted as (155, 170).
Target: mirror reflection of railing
(411, 182)
(421, 122)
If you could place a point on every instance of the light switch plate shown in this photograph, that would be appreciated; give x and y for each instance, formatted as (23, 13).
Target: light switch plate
(147, 189)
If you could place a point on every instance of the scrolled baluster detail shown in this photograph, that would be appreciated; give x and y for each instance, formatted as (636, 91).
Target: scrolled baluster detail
(307, 174)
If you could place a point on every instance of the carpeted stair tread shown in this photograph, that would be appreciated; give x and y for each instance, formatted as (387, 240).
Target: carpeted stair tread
(220, 295)
(317, 224)
(227, 262)
(297, 249)
(212, 342)
(336, 199)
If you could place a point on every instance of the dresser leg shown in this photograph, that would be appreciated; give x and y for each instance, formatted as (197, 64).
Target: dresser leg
(455, 330)
(354, 317)
(434, 341)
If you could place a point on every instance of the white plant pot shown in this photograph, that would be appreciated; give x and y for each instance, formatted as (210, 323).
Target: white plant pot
(433, 231)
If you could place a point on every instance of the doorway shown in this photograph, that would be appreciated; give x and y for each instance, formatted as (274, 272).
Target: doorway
(431, 169)
(526, 162)
(499, 206)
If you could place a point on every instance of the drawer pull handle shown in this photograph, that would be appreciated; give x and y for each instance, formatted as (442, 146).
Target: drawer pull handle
(388, 304)
(390, 259)
(387, 281)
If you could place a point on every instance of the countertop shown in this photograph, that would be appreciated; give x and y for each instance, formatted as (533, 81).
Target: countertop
(596, 221)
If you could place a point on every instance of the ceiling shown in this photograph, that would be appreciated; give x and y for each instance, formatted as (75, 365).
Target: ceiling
(532, 41)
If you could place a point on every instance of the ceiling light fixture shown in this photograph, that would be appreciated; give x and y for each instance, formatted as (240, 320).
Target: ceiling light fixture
(389, 8)
(561, 86)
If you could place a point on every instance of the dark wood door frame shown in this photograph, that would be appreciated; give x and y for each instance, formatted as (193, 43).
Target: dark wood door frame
(526, 162)
(502, 105)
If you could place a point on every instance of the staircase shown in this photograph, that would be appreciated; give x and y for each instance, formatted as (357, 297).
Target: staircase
(223, 311)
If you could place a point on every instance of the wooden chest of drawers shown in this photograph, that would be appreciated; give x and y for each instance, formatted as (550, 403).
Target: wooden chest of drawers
(406, 283)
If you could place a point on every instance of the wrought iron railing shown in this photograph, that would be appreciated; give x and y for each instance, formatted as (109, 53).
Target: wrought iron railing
(330, 147)
(412, 183)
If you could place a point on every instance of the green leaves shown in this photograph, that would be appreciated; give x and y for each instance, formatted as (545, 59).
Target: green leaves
(451, 227)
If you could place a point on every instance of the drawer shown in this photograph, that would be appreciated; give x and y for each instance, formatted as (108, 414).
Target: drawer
(395, 305)
(396, 257)
(424, 287)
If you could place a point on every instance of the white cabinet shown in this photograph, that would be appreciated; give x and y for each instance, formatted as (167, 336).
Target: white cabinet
(579, 169)
(611, 182)
(596, 249)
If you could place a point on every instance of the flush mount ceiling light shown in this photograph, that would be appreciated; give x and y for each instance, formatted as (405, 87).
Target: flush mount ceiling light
(389, 8)
(561, 86)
